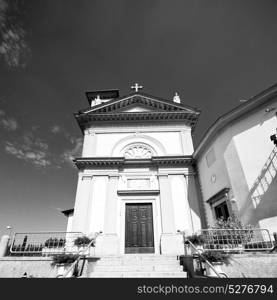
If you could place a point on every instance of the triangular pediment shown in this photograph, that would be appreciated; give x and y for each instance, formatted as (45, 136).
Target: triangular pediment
(137, 107)
(139, 102)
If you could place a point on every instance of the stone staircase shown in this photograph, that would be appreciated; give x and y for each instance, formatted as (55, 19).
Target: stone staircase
(136, 265)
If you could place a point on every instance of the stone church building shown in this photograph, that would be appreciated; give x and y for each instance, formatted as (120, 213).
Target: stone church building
(139, 182)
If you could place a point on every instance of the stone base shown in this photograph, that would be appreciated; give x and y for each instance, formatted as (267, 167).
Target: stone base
(172, 244)
(107, 244)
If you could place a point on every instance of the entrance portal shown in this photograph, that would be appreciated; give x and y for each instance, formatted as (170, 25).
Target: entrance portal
(139, 234)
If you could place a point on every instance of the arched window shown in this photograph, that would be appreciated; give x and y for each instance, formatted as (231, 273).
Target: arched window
(138, 150)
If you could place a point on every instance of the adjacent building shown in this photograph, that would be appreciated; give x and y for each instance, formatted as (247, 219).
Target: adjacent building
(237, 163)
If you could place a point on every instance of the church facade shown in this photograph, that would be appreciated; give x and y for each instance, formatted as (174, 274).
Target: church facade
(142, 185)
(137, 182)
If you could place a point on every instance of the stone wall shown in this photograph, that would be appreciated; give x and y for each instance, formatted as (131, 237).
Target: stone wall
(252, 265)
(241, 265)
(15, 267)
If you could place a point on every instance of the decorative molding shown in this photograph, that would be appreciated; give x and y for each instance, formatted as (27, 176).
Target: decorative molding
(138, 150)
(219, 195)
(133, 128)
(89, 162)
(156, 146)
(138, 192)
(87, 177)
(142, 99)
(86, 120)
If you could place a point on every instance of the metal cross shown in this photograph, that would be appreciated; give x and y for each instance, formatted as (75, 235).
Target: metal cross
(136, 87)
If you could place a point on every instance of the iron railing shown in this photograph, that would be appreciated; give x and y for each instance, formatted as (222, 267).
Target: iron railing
(82, 255)
(236, 240)
(200, 254)
(45, 243)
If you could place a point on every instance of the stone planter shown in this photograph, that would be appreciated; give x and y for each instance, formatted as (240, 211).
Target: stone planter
(88, 252)
(51, 251)
(62, 269)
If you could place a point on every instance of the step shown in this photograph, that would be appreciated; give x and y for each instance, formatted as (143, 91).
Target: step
(135, 255)
(136, 268)
(138, 275)
(142, 259)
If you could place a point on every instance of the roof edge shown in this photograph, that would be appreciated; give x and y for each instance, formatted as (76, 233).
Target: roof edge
(234, 114)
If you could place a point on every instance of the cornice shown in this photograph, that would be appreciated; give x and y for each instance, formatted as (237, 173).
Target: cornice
(138, 192)
(116, 162)
(85, 120)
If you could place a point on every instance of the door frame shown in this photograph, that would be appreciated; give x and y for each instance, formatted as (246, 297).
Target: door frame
(156, 217)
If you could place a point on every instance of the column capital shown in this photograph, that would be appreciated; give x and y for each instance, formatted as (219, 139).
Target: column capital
(113, 175)
(162, 174)
(89, 131)
(86, 177)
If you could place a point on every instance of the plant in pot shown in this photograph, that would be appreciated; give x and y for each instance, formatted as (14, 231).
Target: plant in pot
(197, 240)
(82, 243)
(53, 245)
(63, 262)
(230, 234)
(217, 259)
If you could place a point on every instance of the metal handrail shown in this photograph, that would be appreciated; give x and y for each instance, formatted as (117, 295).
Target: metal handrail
(81, 254)
(199, 253)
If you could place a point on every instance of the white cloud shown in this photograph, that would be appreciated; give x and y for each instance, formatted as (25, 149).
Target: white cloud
(31, 150)
(7, 123)
(56, 129)
(69, 154)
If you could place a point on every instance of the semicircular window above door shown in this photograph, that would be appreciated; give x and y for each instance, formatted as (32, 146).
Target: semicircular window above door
(138, 150)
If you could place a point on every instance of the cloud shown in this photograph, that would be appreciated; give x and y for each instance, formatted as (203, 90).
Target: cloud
(56, 129)
(36, 157)
(69, 154)
(31, 150)
(30, 142)
(7, 123)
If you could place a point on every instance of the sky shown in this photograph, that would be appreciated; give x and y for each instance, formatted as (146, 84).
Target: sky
(213, 53)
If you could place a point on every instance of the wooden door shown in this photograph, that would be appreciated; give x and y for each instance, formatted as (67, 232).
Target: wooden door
(139, 235)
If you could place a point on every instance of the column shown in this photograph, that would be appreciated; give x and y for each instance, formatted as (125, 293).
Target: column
(167, 212)
(186, 140)
(194, 201)
(81, 203)
(108, 243)
(171, 241)
(89, 144)
(110, 221)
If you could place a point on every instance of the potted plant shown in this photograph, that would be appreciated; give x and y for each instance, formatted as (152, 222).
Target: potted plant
(217, 259)
(230, 234)
(197, 240)
(63, 262)
(53, 245)
(82, 243)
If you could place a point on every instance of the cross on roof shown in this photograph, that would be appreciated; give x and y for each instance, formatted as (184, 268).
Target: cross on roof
(136, 87)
